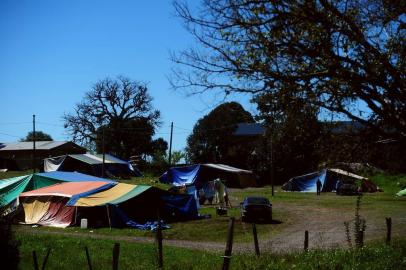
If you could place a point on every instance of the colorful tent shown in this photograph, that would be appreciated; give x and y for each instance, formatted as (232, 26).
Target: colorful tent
(330, 180)
(131, 205)
(92, 164)
(11, 188)
(47, 205)
(201, 173)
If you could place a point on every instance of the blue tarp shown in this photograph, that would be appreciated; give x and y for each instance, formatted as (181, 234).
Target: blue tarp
(307, 182)
(119, 218)
(72, 176)
(181, 175)
(180, 207)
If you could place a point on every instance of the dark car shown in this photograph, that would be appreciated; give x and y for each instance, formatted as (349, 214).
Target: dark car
(256, 209)
(347, 189)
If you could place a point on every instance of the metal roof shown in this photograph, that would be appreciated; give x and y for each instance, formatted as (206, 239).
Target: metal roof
(39, 145)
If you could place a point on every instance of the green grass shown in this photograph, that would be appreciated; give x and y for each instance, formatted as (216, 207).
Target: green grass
(288, 207)
(69, 253)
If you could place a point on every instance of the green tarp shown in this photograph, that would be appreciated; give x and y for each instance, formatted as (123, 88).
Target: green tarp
(401, 193)
(11, 188)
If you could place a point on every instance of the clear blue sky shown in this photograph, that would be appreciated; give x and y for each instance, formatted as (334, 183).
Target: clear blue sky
(52, 52)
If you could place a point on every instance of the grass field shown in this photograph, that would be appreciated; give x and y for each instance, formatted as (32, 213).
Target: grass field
(69, 253)
(294, 210)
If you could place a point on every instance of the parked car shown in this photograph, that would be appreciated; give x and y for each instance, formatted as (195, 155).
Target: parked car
(348, 189)
(256, 209)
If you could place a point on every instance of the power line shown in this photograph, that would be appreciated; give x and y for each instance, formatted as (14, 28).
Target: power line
(2, 133)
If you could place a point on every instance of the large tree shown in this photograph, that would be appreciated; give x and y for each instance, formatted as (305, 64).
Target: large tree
(39, 136)
(120, 110)
(212, 138)
(291, 140)
(347, 57)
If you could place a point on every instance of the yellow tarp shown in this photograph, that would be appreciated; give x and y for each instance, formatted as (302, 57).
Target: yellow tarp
(106, 196)
(35, 208)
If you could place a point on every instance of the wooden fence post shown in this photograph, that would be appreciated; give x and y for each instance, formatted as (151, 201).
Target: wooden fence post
(159, 244)
(361, 239)
(45, 259)
(229, 245)
(116, 254)
(34, 257)
(254, 232)
(89, 262)
(388, 230)
(306, 241)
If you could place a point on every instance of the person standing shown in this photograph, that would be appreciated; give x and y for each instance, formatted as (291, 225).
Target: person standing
(318, 184)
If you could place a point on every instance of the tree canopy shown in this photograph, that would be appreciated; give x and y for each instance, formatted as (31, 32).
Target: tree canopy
(212, 137)
(39, 136)
(120, 110)
(346, 57)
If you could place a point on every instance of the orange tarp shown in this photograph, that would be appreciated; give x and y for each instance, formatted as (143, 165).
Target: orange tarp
(64, 189)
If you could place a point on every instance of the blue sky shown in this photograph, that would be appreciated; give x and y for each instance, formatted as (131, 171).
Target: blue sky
(52, 52)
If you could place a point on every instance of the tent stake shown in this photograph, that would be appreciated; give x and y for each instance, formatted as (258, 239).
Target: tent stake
(254, 232)
(89, 262)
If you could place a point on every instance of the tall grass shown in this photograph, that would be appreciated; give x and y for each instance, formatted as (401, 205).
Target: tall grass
(68, 253)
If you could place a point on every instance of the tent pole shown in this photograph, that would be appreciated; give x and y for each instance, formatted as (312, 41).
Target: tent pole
(76, 214)
(108, 215)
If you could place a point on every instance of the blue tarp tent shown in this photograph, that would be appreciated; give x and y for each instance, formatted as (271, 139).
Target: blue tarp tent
(330, 180)
(199, 174)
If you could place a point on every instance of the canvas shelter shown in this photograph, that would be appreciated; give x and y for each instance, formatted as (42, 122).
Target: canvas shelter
(330, 180)
(11, 188)
(92, 164)
(134, 205)
(48, 205)
(199, 174)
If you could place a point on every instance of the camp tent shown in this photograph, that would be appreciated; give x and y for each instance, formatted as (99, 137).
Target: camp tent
(329, 178)
(103, 204)
(47, 205)
(91, 164)
(133, 205)
(201, 173)
(11, 188)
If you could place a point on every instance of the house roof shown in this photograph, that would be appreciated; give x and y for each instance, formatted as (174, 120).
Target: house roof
(249, 129)
(39, 145)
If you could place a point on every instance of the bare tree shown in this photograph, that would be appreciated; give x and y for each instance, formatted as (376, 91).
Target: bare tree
(122, 107)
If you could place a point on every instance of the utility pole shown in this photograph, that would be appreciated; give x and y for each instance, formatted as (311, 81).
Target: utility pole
(271, 154)
(170, 146)
(33, 144)
(104, 155)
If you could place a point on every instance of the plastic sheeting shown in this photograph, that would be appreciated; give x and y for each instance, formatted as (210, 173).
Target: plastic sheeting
(201, 173)
(47, 211)
(11, 188)
(330, 180)
(91, 164)
(119, 193)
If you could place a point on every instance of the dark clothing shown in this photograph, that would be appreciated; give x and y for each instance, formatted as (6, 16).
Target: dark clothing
(318, 186)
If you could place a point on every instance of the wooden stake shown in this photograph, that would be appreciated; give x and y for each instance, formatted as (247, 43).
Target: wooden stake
(89, 262)
(306, 241)
(388, 230)
(45, 259)
(116, 254)
(34, 257)
(229, 246)
(159, 245)
(254, 232)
